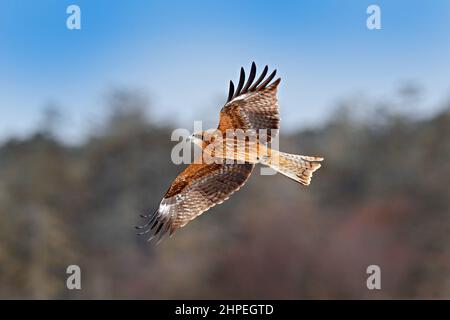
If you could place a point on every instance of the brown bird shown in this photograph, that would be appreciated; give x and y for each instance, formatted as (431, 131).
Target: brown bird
(253, 108)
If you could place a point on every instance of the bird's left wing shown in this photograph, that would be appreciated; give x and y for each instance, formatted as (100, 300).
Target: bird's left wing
(198, 188)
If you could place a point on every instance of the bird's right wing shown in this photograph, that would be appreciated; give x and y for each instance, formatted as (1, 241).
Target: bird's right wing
(198, 188)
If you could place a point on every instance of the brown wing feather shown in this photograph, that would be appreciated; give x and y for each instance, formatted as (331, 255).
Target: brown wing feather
(198, 188)
(255, 107)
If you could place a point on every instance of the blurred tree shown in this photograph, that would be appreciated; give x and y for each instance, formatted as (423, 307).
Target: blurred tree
(381, 197)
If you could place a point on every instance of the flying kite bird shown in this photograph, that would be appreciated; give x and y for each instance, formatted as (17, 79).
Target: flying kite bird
(251, 107)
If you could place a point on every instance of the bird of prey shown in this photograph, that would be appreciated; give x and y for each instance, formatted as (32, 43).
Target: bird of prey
(252, 106)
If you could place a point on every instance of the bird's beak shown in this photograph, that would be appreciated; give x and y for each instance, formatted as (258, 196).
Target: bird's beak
(194, 138)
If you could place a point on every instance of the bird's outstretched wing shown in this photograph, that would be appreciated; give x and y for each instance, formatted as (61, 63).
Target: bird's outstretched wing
(253, 105)
(198, 188)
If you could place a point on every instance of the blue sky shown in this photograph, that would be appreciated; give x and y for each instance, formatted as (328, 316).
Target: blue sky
(183, 53)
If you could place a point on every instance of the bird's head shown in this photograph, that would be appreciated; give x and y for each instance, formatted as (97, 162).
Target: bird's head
(197, 138)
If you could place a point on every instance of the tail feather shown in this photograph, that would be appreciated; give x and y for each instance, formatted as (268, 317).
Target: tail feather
(297, 167)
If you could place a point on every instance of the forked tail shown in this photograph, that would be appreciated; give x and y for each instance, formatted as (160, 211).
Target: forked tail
(297, 167)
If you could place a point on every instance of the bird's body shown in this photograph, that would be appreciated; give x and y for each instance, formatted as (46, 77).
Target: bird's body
(248, 123)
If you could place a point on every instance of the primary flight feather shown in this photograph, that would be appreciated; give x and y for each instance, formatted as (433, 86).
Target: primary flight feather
(251, 107)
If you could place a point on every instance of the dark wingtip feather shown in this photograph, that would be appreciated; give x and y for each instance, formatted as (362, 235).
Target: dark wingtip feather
(251, 77)
(143, 226)
(251, 85)
(231, 91)
(241, 83)
(261, 78)
(276, 82)
(267, 81)
(157, 226)
(143, 232)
